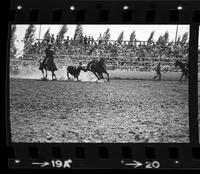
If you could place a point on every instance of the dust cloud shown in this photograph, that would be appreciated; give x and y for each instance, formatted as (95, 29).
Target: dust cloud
(31, 72)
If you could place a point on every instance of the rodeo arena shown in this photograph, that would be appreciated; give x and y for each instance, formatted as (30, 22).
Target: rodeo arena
(99, 91)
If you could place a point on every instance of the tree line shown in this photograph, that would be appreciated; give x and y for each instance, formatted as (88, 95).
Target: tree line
(29, 37)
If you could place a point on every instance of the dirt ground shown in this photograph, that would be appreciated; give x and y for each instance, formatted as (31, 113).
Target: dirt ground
(135, 111)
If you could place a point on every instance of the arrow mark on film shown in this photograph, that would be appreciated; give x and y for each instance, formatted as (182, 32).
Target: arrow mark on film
(135, 164)
(42, 164)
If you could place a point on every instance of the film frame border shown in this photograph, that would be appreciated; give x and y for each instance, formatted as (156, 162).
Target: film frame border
(161, 12)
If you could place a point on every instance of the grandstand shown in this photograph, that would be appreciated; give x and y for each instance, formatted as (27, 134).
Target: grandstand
(136, 56)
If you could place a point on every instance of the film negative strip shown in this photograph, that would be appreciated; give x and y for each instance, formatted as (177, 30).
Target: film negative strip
(103, 84)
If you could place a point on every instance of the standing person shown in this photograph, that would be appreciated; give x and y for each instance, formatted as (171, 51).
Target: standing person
(85, 40)
(48, 38)
(67, 39)
(92, 40)
(52, 39)
(57, 41)
(89, 39)
(100, 39)
(71, 41)
(81, 39)
(66, 42)
(158, 73)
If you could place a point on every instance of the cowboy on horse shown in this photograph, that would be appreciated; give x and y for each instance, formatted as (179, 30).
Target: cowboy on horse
(93, 62)
(48, 62)
(98, 67)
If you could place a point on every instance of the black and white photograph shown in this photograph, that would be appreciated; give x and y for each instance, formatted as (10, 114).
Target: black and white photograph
(98, 83)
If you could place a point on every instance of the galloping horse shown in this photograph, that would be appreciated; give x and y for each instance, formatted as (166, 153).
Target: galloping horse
(98, 68)
(184, 69)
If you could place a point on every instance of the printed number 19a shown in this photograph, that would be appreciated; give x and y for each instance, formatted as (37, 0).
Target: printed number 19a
(61, 164)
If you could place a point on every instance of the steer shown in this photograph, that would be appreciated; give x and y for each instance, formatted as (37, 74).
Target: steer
(75, 71)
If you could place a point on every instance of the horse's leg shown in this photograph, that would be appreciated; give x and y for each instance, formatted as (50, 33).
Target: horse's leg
(75, 77)
(101, 76)
(107, 75)
(96, 75)
(181, 76)
(186, 75)
(46, 73)
(54, 75)
(68, 75)
(154, 77)
(42, 73)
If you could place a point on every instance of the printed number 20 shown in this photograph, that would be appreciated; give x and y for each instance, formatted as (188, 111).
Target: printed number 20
(153, 164)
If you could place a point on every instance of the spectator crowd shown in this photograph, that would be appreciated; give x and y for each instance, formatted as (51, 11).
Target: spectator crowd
(120, 55)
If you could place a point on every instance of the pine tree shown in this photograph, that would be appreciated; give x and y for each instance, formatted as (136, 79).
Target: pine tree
(120, 37)
(29, 38)
(178, 40)
(160, 40)
(78, 32)
(46, 36)
(150, 39)
(61, 33)
(132, 37)
(166, 37)
(13, 48)
(106, 35)
(163, 39)
(184, 38)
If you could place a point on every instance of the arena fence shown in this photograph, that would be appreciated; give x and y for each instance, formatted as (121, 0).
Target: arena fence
(112, 63)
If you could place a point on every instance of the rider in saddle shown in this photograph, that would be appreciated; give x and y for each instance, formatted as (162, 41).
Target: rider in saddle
(91, 63)
(49, 52)
(95, 60)
(49, 59)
